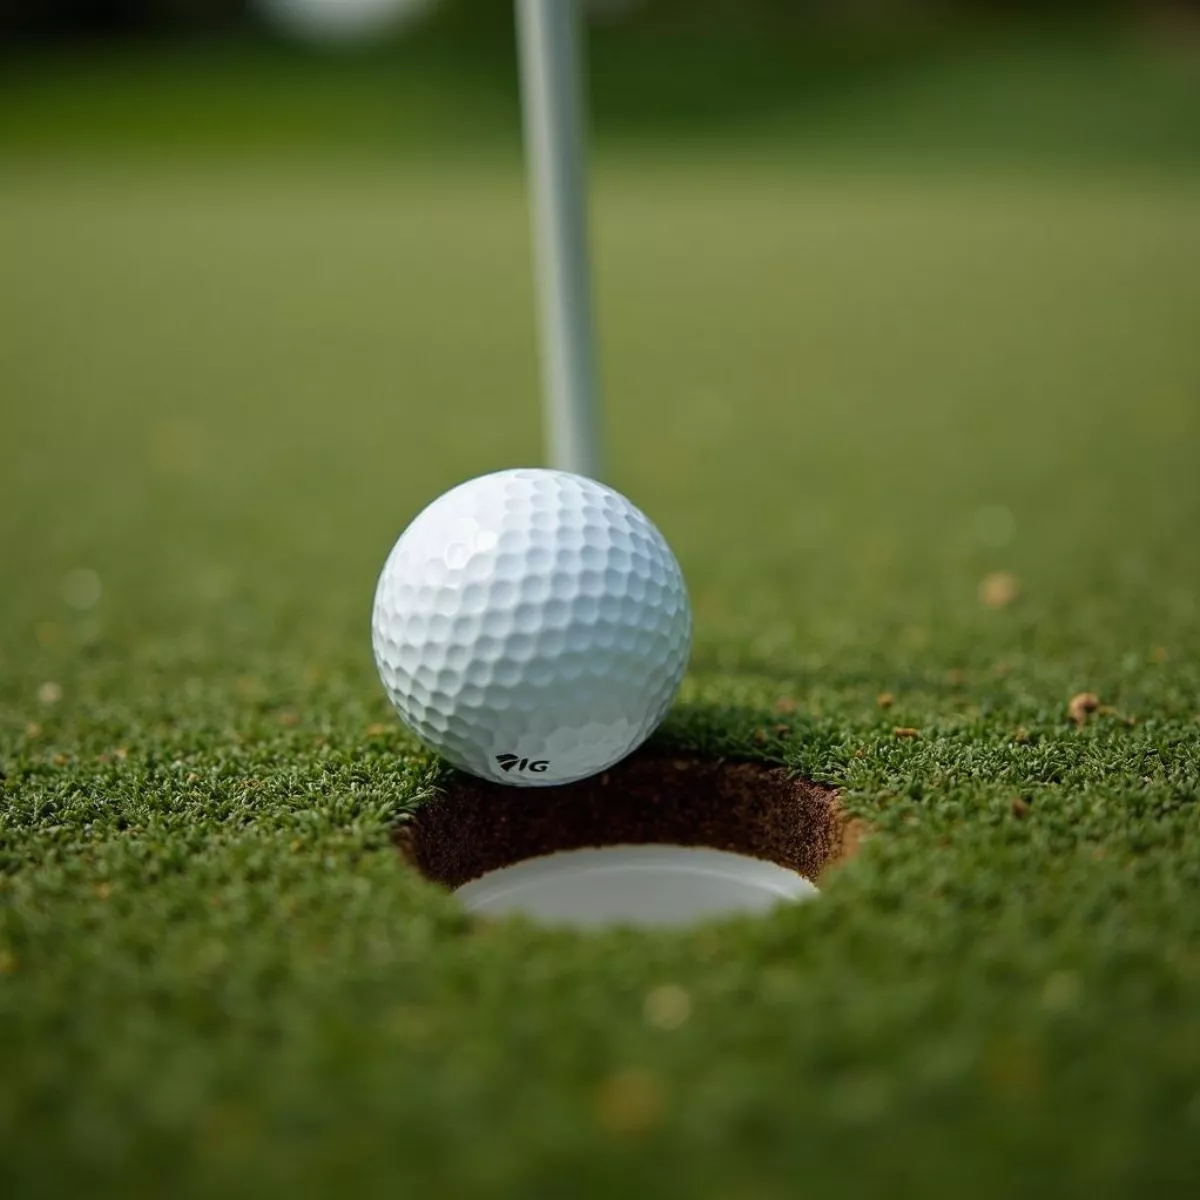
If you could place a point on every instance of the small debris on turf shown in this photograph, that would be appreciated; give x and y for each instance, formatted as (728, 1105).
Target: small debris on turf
(906, 731)
(1020, 808)
(8, 962)
(49, 693)
(761, 737)
(1158, 654)
(999, 589)
(289, 719)
(782, 731)
(630, 1102)
(785, 705)
(1083, 706)
(885, 699)
(376, 729)
(32, 729)
(1021, 737)
(667, 1006)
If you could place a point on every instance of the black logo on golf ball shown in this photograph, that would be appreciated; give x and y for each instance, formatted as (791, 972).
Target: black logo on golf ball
(509, 761)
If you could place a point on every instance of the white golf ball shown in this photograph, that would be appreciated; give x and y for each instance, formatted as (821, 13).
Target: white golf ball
(532, 626)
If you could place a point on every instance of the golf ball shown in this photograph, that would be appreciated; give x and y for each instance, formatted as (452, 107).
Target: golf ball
(532, 626)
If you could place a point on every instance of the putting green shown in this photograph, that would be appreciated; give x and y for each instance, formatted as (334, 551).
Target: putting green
(926, 447)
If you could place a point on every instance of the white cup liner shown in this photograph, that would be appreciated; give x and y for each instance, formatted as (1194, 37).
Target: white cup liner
(657, 886)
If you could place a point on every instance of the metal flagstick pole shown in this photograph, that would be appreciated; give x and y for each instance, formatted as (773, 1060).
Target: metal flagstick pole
(551, 90)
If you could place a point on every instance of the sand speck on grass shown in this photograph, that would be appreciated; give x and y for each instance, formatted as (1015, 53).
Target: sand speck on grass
(999, 589)
(1083, 706)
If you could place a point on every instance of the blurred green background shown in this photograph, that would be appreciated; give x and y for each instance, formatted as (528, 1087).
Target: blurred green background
(897, 308)
(942, 253)
(904, 78)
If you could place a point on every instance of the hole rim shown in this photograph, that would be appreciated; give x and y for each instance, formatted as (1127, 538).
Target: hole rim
(472, 827)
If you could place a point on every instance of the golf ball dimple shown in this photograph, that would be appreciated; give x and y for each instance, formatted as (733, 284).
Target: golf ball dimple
(532, 626)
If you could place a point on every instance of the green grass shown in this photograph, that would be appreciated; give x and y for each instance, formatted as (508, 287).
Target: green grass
(845, 396)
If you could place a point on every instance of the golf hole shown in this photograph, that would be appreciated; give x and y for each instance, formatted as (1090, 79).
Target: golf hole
(656, 842)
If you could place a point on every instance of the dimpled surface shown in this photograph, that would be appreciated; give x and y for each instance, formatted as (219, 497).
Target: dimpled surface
(532, 626)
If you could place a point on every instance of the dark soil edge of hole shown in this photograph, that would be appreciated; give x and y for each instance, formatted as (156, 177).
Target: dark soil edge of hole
(749, 808)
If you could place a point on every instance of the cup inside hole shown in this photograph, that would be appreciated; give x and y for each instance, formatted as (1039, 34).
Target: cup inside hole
(644, 886)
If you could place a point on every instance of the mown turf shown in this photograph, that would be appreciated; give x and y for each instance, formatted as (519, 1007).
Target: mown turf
(846, 397)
